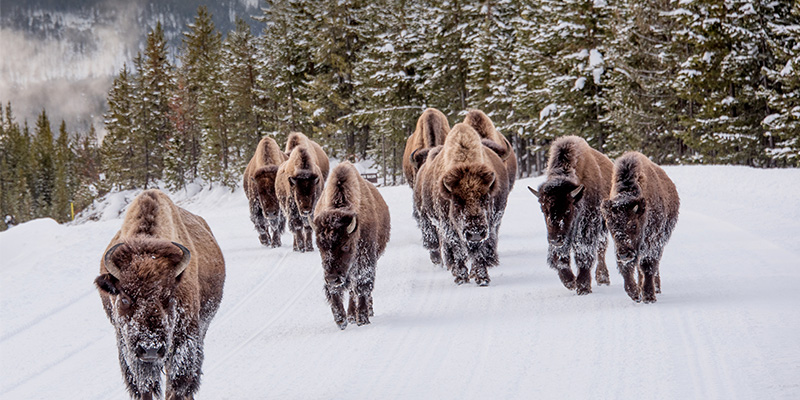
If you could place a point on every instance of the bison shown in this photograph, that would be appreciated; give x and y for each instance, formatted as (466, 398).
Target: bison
(259, 187)
(641, 214)
(432, 128)
(461, 194)
(352, 227)
(160, 283)
(578, 180)
(298, 186)
(491, 138)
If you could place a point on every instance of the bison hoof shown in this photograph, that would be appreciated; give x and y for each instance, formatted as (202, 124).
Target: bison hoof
(603, 280)
(482, 281)
(649, 298)
(436, 257)
(460, 280)
(362, 320)
(342, 324)
(634, 294)
(569, 284)
(264, 240)
(351, 318)
(583, 290)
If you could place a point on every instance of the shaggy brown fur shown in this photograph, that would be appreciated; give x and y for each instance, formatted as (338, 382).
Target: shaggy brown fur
(641, 214)
(259, 187)
(432, 128)
(160, 283)
(352, 227)
(578, 180)
(461, 196)
(296, 139)
(298, 185)
(495, 141)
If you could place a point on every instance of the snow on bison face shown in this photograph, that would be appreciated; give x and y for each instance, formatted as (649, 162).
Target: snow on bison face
(625, 218)
(469, 190)
(558, 200)
(141, 282)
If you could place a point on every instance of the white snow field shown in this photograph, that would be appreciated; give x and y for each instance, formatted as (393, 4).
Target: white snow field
(727, 325)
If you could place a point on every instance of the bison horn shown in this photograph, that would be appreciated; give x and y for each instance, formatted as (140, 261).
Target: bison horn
(352, 226)
(636, 208)
(109, 263)
(187, 256)
(577, 191)
(535, 193)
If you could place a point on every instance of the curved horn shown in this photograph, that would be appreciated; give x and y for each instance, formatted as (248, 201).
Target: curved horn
(535, 193)
(352, 226)
(187, 256)
(509, 149)
(109, 263)
(576, 192)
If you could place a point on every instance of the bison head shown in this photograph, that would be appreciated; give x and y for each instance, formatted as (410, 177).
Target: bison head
(625, 219)
(263, 181)
(469, 189)
(142, 278)
(559, 199)
(305, 188)
(336, 239)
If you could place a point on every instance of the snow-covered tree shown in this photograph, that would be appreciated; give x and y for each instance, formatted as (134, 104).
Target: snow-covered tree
(118, 147)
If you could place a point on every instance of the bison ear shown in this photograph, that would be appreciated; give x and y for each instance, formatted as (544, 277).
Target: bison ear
(107, 283)
(577, 193)
(535, 193)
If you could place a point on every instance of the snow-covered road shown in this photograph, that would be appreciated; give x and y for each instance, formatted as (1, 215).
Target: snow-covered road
(726, 325)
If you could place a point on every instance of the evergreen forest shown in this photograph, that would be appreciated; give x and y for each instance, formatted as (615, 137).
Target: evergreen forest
(683, 81)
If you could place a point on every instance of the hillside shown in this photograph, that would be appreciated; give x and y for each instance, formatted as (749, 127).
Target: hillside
(725, 325)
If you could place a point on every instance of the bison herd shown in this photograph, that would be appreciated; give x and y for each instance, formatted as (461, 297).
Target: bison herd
(161, 276)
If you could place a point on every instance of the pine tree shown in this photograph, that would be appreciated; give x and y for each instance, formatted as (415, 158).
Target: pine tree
(118, 147)
(64, 166)
(241, 79)
(86, 170)
(183, 146)
(44, 167)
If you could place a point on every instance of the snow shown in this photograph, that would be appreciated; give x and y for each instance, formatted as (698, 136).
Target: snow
(579, 83)
(725, 325)
(547, 111)
(787, 69)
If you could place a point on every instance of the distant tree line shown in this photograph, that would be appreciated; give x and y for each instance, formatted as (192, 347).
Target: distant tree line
(707, 81)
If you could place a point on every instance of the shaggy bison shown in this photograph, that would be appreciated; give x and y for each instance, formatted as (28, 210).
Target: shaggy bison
(432, 128)
(578, 180)
(259, 187)
(461, 195)
(298, 186)
(491, 138)
(352, 228)
(641, 214)
(160, 283)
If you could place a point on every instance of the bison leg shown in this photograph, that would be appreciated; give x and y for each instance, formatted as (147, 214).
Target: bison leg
(334, 295)
(658, 282)
(601, 274)
(558, 258)
(455, 258)
(278, 225)
(351, 308)
(257, 216)
(308, 242)
(363, 293)
(626, 269)
(430, 239)
(584, 262)
(297, 243)
(650, 271)
(485, 256)
(371, 310)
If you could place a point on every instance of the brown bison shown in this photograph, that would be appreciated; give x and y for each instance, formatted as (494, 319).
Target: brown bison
(491, 138)
(160, 283)
(259, 187)
(461, 194)
(432, 128)
(641, 214)
(298, 186)
(578, 180)
(352, 228)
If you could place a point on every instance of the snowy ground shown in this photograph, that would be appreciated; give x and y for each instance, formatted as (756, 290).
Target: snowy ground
(726, 325)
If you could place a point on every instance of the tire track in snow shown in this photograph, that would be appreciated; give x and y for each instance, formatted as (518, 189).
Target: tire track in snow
(45, 316)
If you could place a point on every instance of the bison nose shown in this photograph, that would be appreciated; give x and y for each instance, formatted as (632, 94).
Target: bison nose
(150, 354)
(626, 257)
(306, 213)
(334, 280)
(272, 214)
(475, 236)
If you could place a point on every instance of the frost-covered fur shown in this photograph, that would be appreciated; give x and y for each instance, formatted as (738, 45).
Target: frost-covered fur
(461, 195)
(352, 227)
(578, 180)
(641, 214)
(160, 296)
(491, 138)
(259, 187)
(432, 128)
(298, 185)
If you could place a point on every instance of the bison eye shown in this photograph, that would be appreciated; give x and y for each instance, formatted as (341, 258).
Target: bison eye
(346, 247)
(125, 301)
